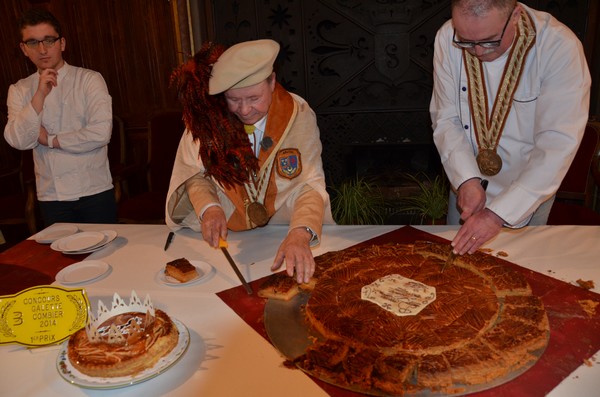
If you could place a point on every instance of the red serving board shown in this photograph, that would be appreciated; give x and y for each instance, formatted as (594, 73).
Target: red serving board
(574, 334)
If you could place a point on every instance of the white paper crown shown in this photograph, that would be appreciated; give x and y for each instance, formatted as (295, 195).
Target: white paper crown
(116, 332)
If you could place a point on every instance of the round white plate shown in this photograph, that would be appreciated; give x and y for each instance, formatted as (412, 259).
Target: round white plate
(79, 241)
(109, 235)
(83, 272)
(73, 376)
(205, 270)
(55, 232)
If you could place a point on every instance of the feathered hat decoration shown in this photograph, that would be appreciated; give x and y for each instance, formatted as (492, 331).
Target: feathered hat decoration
(224, 145)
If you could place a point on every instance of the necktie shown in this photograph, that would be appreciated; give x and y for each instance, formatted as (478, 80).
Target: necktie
(249, 129)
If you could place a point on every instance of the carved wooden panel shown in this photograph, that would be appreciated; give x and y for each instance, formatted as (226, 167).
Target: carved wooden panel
(344, 56)
(364, 66)
(131, 43)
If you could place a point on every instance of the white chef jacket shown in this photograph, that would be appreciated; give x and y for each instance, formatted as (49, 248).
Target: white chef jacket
(79, 111)
(543, 129)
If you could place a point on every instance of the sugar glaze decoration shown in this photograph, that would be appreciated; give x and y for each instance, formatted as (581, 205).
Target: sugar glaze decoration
(399, 295)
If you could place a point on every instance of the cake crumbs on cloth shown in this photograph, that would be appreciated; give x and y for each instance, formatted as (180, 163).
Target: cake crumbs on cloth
(588, 306)
(502, 254)
(587, 284)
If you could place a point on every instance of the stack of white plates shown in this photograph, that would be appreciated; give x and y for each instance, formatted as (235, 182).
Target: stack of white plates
(84, 242)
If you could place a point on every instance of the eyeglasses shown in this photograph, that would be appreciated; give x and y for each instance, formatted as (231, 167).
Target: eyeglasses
(48, 42)
(483, 44)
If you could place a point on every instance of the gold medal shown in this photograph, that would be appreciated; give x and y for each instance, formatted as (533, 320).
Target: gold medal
(489, 162)
(257, 213)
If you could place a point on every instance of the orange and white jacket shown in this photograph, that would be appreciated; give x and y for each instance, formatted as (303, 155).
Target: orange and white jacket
(294, 196)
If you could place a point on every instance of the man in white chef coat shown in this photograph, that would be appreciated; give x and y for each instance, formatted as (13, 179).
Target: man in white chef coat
(510, 105)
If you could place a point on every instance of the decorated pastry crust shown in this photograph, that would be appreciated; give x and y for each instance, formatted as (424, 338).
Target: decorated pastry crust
(484, 323)
(118, 342)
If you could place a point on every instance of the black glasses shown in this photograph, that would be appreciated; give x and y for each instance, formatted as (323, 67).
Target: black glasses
(483, 44)
(48, 42)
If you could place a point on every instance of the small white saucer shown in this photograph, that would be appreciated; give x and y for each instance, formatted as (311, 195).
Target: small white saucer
(79, 241)
(205, 270)
(83, 272)
(107, 237)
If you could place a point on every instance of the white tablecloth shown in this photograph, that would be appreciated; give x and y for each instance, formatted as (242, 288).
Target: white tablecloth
(227, 357)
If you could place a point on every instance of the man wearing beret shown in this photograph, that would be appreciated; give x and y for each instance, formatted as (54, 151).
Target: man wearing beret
(250, 155)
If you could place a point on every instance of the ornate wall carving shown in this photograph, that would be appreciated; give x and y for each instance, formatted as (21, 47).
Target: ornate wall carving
(365, 66)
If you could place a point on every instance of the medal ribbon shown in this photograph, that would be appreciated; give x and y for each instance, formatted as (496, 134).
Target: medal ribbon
(253, 190)
(489, 130)
(256, 192)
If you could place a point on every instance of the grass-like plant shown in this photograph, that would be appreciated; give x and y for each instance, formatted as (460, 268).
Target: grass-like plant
(431, 203)
(357, 202)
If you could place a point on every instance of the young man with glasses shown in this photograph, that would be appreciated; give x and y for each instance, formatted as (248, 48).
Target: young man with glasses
(63, 113)
(510, 105)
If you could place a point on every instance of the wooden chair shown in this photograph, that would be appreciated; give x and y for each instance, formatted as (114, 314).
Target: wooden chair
(117, 156)
(574, 204)
(18, 202)
(164, 132)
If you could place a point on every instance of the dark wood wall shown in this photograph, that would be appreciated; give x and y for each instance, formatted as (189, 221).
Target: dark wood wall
(136, 44)
(366, 68)
(133, 43)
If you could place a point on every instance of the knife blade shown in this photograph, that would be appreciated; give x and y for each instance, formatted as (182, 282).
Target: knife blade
(223, 245)
(450, 259)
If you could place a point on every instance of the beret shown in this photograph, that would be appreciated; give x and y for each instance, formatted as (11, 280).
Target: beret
(242, 65)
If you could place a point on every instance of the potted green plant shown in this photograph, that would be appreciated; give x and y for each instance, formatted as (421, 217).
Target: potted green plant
(357, 201)
(431, 203)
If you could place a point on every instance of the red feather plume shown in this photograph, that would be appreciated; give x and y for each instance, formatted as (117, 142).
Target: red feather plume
(224, 145)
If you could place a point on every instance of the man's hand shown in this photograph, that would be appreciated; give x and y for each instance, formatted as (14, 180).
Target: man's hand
(478, 229)
(43, 137)
(295, 250)
(214, 226)
(48, 80)
(470, 198)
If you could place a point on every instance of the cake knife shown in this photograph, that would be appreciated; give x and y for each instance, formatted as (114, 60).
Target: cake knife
(450, 260)
(223, 245)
